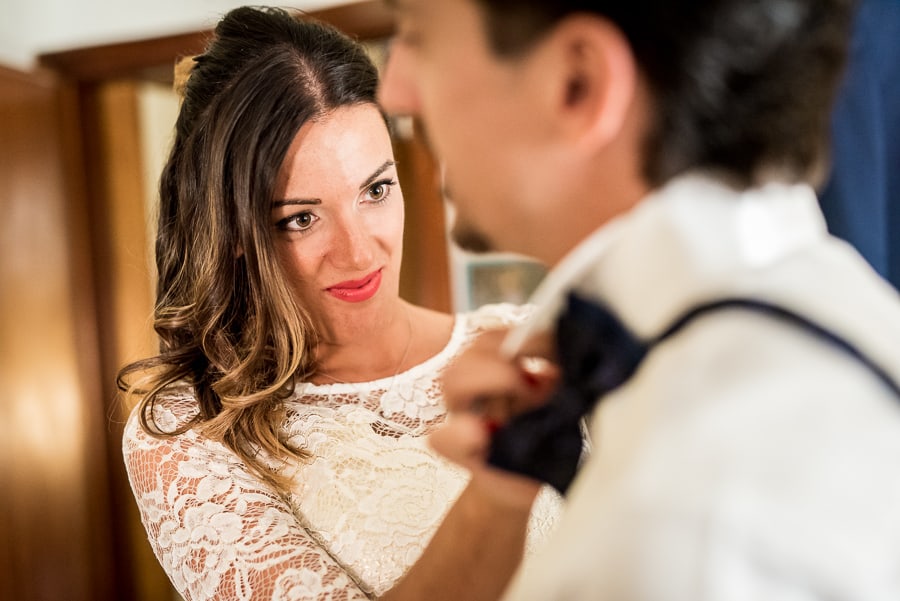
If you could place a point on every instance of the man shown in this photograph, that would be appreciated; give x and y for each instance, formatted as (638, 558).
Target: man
(659, 157)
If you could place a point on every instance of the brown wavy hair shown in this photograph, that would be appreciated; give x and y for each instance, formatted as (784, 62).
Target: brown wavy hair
(229, 326)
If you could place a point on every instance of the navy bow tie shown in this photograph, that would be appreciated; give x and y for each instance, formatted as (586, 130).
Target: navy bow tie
(597, 354)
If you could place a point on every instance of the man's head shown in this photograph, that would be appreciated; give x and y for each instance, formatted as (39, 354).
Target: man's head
(557, 115)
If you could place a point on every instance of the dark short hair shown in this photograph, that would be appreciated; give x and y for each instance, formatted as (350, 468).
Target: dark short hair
(743, 87)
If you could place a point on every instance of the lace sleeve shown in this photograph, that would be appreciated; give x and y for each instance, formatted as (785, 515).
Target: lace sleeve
(499, 315)
(218, 532)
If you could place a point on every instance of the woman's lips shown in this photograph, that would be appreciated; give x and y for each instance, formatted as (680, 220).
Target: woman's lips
(357, 291)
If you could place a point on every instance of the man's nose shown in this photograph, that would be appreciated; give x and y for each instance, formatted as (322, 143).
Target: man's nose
(397, 93)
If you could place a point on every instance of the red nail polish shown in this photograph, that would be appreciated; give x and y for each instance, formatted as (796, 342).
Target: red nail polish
(492, 426)
(530, 379)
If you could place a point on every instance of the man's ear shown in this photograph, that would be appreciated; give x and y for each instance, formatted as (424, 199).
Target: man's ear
(593, 81)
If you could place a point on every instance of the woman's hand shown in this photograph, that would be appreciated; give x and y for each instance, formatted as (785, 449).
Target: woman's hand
(483, 389)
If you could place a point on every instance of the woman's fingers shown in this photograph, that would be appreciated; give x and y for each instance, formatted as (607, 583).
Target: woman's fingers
(464, 440)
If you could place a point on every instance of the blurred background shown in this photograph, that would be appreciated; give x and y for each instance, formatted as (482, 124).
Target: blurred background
(32, 27)
(86, 115)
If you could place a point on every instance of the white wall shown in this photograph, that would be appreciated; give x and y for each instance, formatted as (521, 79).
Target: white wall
(31, 27)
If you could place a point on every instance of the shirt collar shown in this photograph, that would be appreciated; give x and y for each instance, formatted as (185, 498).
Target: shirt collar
(691, 240)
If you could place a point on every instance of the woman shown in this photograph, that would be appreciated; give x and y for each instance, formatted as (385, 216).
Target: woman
(277, 450)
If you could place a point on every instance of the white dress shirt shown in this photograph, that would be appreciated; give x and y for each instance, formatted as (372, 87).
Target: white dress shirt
(746, 460)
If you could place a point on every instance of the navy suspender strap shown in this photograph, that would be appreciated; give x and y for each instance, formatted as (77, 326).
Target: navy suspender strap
(597, 353)
(780, 312)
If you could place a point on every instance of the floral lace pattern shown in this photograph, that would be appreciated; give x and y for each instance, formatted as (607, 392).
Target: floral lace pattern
(362, 509)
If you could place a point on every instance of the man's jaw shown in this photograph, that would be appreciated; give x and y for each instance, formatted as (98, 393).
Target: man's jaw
(469, 238)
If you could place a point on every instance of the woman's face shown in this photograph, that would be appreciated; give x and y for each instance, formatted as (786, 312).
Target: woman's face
(338, 221)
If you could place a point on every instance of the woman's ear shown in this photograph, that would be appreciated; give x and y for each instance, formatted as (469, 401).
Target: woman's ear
(594, 82)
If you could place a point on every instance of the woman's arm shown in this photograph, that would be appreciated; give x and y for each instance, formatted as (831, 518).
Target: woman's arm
(477, 548)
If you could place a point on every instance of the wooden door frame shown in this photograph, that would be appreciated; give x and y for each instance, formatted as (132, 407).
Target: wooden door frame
(153, 58)
(56, 542)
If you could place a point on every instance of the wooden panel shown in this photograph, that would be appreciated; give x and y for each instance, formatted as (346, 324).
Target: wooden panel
(53, 470)
(125, 301)
(364, 20)
(425, 278)
(112, 61)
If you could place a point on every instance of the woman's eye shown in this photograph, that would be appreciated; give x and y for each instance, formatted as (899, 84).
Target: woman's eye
(379, 191)
(298, 223)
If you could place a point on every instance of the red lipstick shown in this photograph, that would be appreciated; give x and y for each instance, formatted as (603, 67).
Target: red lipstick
(357, 291)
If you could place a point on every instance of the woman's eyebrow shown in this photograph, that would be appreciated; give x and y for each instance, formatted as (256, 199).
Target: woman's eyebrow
(296, 201)
(317, 201)
(384, 167)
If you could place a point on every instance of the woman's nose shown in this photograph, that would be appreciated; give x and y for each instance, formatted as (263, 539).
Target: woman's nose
(353, 246)
(397, 92)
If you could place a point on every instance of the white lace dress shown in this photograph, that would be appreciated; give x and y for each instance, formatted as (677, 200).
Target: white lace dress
(361, 512)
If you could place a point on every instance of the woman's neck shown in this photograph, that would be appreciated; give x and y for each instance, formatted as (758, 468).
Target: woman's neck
(411, 336)
(378, 350)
